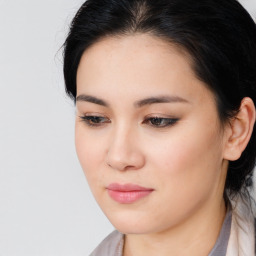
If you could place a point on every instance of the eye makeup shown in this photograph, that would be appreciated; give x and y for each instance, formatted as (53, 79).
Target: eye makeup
(154, 121)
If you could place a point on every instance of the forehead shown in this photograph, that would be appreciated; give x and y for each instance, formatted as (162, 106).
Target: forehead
(125, 51)
(137, 64)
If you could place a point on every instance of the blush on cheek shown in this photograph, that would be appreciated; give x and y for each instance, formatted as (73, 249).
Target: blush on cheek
(190, 161)
(90, 158)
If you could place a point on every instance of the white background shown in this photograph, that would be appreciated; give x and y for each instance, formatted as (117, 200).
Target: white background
(46, 207)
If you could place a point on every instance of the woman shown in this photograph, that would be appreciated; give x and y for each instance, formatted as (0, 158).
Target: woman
(165, 93)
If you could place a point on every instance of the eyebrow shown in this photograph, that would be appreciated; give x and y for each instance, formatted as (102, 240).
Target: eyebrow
(92, 99)
(137, 104)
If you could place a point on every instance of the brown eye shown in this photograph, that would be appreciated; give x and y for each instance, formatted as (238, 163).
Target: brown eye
(160, 122)
(94, 120)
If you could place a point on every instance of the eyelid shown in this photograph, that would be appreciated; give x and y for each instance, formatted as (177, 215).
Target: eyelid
(94, 114)
(169, 121)
(159, 115)
(87, 119)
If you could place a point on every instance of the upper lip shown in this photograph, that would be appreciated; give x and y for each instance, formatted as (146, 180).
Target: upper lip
(127, 187)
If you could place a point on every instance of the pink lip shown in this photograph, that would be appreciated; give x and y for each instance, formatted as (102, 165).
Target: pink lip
(127, 193)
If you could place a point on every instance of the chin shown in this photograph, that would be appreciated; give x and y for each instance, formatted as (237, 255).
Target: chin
(128, 223)
(132, 229)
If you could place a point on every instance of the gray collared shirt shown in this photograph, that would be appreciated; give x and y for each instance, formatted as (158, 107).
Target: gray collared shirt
(113, 244)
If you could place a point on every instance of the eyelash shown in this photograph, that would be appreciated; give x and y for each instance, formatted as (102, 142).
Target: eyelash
(97, 121)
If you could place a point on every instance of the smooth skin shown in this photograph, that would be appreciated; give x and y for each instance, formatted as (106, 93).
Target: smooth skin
(177, 147)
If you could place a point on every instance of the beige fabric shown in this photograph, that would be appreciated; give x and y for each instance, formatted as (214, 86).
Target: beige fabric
(112, 245)
(242, 237)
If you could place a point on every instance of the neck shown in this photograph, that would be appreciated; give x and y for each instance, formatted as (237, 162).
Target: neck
(195, 236)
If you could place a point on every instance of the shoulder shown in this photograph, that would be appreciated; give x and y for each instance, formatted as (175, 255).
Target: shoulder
(112, 245)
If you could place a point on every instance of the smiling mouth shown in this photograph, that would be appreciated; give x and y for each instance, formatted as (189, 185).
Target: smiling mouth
(127, 193)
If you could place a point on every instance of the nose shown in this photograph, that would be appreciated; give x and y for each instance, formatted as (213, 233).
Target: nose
(124, 152)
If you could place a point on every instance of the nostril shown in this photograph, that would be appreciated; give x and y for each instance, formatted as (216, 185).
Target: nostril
(133, 164)
(130, 167)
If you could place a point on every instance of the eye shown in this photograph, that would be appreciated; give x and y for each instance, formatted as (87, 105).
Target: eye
(160, 122)
(94, 120)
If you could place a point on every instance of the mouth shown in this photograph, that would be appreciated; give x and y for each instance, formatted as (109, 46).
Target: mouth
(127, 193)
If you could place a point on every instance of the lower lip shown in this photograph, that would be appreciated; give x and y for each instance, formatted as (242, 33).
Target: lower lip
(128, 197)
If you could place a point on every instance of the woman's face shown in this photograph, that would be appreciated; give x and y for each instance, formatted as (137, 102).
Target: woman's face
(144, 119)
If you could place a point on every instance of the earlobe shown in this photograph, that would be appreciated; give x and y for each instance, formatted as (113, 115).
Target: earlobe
(240, 130)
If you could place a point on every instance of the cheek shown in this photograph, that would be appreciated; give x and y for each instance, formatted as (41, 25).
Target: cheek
(189, 162)
(90, 154)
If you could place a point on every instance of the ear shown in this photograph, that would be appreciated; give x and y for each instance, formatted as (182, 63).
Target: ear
(240, 130)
